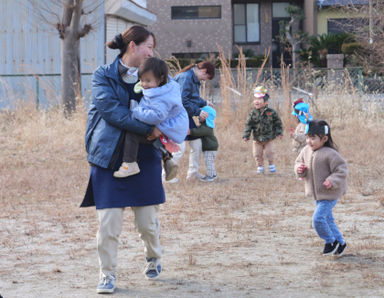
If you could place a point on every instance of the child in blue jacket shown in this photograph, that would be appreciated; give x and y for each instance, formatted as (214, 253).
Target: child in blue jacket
(160, 106)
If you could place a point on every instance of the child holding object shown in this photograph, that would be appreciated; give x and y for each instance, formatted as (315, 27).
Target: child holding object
(209, 143)
(325, 174)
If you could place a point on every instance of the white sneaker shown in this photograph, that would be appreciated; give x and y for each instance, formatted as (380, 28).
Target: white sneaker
(260, 170)
(127, 169)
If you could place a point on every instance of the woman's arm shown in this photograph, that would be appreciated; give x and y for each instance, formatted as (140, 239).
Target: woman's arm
(186, 86)
(111, 109)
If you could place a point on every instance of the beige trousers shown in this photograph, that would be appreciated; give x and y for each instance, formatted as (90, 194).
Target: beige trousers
(258, 150)
(110, 226)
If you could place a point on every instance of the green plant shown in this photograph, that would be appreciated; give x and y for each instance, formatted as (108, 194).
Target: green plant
(323, 44)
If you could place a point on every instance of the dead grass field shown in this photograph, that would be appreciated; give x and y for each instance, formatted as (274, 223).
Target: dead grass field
(242, 236)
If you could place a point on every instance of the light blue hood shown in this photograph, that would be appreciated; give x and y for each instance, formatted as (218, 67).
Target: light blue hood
(162, 106)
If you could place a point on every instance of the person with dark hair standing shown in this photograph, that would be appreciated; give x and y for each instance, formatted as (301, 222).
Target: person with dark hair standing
(109, 117)
(325, 173)
(189, 79)
(161, 106)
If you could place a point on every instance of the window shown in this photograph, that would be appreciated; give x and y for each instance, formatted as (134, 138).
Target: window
(196, 12)
(279, 10)
(246, 23)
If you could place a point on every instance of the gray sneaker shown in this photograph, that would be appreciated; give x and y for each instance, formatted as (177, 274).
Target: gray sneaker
(170, 169)
(208, 178)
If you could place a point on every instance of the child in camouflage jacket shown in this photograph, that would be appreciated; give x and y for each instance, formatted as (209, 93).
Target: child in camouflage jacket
(265, 125)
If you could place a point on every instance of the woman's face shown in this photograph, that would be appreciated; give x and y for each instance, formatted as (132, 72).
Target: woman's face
(201, 74)
(143, 50)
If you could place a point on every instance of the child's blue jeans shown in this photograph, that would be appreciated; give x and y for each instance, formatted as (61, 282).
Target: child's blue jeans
(324, 223)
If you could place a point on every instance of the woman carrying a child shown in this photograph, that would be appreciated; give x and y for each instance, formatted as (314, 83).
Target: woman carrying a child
(189, 79)
(109, 117)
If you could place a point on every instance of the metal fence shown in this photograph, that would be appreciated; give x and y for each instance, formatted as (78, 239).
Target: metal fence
(44, 89)
(41, 89)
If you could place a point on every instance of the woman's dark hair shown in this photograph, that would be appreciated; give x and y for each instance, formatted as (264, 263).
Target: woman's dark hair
(321, 128)
(137, 34)
(207, 65)
(157, 66)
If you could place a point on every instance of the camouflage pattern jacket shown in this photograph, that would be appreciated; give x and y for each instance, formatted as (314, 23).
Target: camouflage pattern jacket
(265, 125)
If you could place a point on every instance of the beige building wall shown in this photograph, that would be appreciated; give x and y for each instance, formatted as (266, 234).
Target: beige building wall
(204, 34)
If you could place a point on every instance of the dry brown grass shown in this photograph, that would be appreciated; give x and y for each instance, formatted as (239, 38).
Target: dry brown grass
(237, 236)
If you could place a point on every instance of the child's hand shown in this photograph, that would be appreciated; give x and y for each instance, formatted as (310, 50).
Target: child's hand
(203, 115)
(210, 104)
(327, 184)
(301, 169)
(189, 132)
(245, 140)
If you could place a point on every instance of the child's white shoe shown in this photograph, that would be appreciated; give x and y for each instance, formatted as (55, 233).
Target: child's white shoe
(127, 169)
(272, 169)
(260, 170)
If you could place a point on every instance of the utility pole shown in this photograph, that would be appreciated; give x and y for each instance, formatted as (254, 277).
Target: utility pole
(370, 22)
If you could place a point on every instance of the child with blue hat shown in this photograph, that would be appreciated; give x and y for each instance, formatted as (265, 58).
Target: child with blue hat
(209, 142)
(301, 112)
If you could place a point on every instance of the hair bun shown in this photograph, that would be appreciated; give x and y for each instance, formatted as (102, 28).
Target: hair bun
(118, 40)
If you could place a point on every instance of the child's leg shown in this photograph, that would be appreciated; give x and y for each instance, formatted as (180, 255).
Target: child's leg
(269, 151)
(320, 220)
(131, 147)
(209, 160)
(170, 166)
(257, 150)
(194, 158)
(160, 146)
(334, 228)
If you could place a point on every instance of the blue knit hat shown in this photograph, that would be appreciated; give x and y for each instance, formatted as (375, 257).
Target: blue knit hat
(300, 110)
(211, 116)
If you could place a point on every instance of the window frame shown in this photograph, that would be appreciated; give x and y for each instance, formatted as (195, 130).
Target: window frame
(245, 3)
(194, 18)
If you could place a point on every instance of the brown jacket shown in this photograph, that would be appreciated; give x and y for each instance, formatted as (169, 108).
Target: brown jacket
(324, 163)
(299, 138)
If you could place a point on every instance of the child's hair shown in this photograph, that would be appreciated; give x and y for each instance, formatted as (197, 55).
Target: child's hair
(266, 97)
(157, 66)
(207, 65)
(321, 128)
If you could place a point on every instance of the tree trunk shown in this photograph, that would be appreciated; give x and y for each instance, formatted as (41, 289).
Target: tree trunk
(70, 73)
(70, 55)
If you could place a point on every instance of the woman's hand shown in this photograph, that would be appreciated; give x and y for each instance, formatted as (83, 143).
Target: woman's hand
(301, 169)
(156, 133)
(245, 140)
(203, 115)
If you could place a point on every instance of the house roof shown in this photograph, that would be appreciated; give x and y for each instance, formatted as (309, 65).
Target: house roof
(322, 3)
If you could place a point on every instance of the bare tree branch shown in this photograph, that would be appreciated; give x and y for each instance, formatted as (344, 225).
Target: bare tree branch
(85, 30)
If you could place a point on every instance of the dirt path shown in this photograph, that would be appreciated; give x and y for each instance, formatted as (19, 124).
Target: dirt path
(226, 242)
